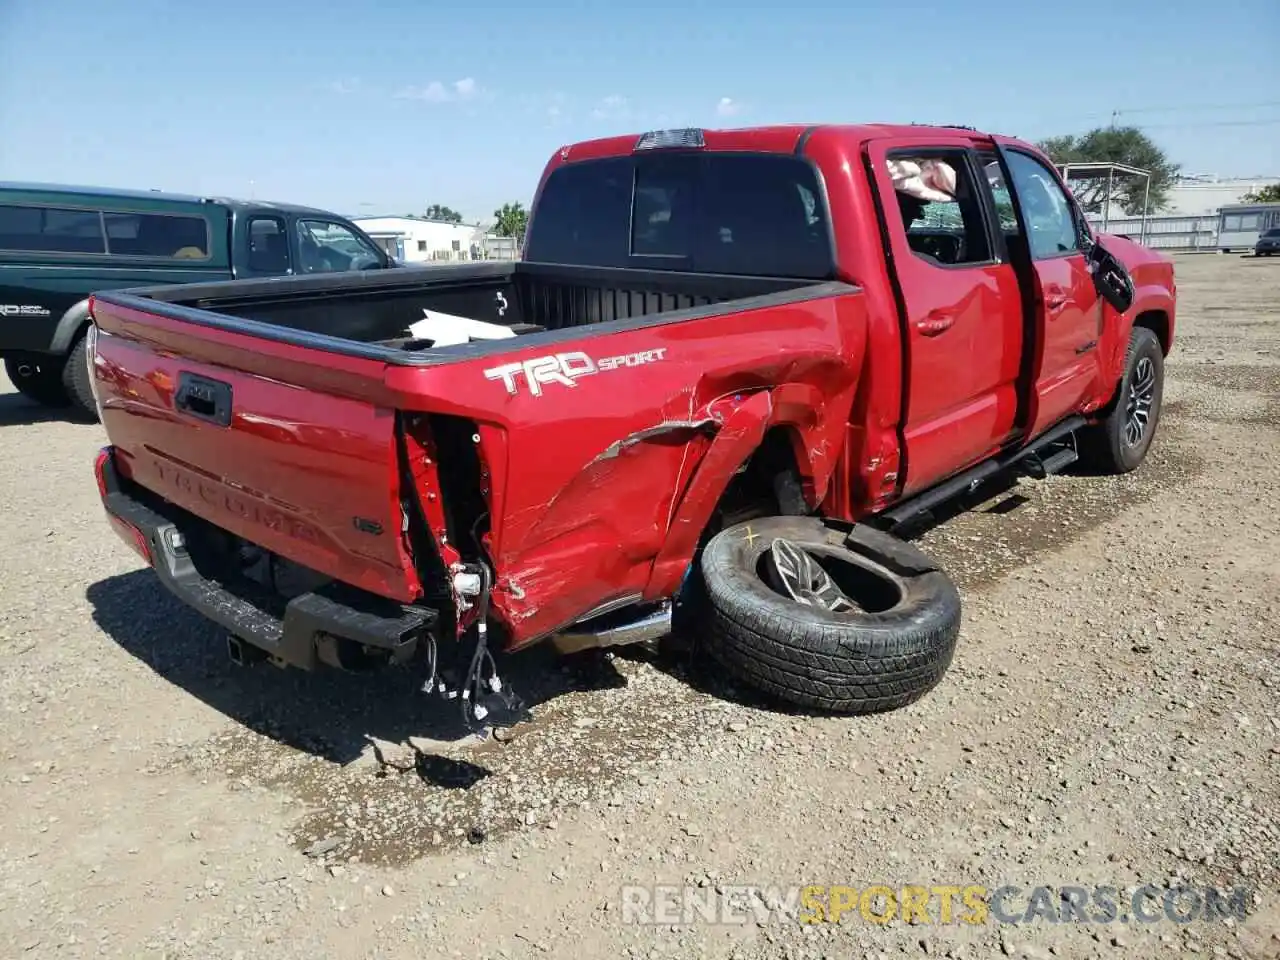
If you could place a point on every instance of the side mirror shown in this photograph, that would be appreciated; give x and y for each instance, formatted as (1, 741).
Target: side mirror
(1111, 278)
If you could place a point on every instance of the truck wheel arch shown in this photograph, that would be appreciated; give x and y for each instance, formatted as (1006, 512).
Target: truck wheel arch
(75, 319)
(769, 424)
(1152, 312)
(1157, 321)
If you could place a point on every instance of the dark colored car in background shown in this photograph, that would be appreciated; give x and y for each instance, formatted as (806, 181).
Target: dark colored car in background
(1268, 243)
(58, 244)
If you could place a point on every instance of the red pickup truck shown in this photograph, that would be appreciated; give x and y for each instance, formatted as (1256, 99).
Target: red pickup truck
(720, 344)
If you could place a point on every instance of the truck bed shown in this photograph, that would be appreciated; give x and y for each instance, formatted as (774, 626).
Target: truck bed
(375, 309)
(291, 415)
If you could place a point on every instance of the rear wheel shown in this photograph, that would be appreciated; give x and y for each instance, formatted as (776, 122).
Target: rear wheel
(1119, 443)
(39, 378)
(75, 379)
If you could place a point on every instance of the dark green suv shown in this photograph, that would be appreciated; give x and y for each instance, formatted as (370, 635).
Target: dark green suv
(59, 244)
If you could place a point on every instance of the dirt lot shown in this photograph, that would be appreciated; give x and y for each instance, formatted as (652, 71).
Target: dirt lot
(1112, 718)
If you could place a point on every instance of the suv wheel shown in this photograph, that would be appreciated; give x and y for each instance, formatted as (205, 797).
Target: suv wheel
(75, 378)
(38, 378)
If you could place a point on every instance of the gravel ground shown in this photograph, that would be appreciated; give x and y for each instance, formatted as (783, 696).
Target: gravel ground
(1111, 719)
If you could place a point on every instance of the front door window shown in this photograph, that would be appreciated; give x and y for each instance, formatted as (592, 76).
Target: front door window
(325, 246)
(1051, 223)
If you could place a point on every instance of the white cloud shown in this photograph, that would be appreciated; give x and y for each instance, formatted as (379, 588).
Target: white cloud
(612, 107)
(437, 92)
(433, 92)
(728, 107)
(344, 86)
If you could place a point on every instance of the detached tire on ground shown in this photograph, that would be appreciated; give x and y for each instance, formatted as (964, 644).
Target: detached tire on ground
(886, 649)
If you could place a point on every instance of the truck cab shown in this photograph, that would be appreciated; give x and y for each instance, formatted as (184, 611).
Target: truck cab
(275, 240)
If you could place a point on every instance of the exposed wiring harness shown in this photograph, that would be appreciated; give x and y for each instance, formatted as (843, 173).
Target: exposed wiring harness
(483, 698)
(481, 691)
(433, 683)
(471, 685)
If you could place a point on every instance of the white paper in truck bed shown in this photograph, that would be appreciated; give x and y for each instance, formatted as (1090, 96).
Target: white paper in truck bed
(447, 330)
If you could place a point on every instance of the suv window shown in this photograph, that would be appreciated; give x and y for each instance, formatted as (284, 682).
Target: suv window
(50, 230)
(751, 214)
(157, 235)
(325, 246)
(1048, 212)
(268, 246)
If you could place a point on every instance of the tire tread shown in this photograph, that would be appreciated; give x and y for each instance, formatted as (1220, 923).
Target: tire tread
(75, 377)
(864, 664)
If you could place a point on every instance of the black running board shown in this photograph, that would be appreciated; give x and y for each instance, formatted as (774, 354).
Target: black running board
(1039, 467)
(1027, 458)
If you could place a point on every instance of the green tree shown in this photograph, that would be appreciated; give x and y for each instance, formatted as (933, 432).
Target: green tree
(1268, 194)
(438, 211)
(1127, 145)
(511, 220)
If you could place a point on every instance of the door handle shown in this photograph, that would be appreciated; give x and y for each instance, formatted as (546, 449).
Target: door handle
(1055, 299)
(934, 323)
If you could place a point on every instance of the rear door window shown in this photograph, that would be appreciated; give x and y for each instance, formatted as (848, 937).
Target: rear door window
(157, 235)
(50, 230)
(751, 214)
(940, 206)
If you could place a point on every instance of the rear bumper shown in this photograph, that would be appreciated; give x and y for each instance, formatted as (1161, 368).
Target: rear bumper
(335, 625)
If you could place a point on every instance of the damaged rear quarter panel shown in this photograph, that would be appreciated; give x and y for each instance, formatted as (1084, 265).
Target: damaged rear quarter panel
(589, 475)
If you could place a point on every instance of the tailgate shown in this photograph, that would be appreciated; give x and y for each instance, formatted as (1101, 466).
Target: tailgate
(292, 448)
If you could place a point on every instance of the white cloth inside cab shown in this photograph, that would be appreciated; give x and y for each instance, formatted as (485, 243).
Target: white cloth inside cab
(931, 180)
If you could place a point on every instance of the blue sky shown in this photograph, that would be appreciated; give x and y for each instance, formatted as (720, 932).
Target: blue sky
(389, 105)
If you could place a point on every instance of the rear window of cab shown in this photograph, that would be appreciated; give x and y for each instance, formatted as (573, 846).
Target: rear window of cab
(724, 213)
(30, 228)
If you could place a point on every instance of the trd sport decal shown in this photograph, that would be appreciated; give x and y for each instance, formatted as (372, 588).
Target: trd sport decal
(565, 369)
